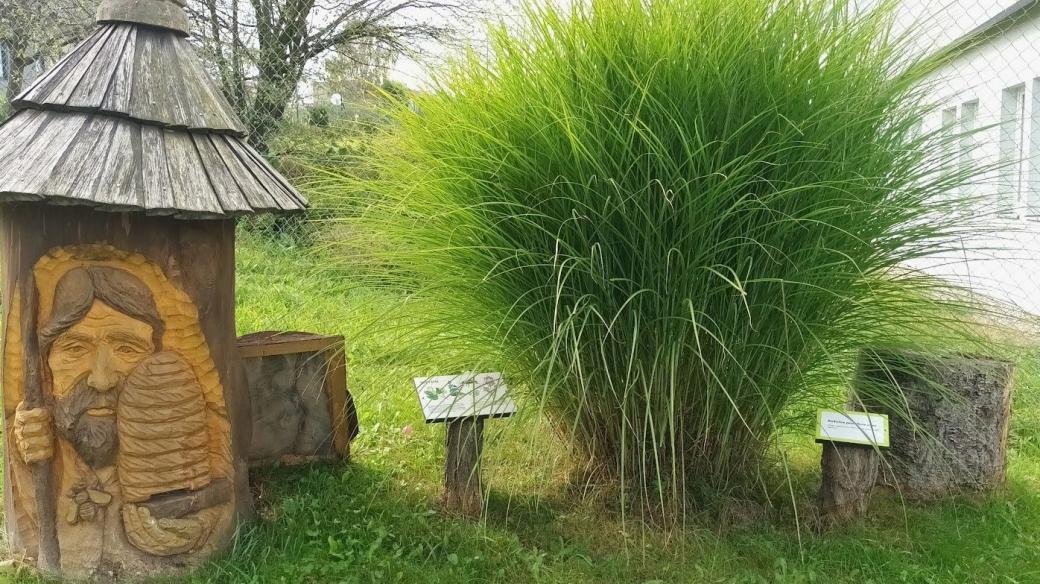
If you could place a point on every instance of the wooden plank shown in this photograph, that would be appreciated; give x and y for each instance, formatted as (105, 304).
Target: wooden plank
(70, 78)
(91, 90)
(156, 191)
(271, 346)
(17, 130)
(224, 186)
(285, 199)
(33, 167)
(83, 167)
(171, 100)
(295, 201)
(147, 99)
(210, 110)
(190, 186)
(247, 183)
(117, 95)
(41, 90)
(344, 422)
(122, 167)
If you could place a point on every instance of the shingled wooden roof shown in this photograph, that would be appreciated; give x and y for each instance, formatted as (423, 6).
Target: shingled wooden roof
(130, 121)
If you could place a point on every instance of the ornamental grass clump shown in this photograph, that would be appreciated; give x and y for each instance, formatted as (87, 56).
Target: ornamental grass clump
(676, 221)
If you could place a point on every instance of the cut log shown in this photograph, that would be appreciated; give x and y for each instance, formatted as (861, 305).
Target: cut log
(117, 295)
(948, 417)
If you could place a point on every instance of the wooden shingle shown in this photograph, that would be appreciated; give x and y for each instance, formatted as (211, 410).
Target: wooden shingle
(129, 120)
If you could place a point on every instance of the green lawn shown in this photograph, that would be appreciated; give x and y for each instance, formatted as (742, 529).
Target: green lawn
(376, 519)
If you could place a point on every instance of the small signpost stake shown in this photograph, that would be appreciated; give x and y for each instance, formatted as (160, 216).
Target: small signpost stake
(465, 441)
(850, 462)
(463, 401)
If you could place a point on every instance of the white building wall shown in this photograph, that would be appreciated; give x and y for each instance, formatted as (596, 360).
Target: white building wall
(985, 84)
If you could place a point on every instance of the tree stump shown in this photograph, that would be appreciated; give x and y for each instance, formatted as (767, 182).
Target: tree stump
(948, 417)
(462, 487)
(849, 473)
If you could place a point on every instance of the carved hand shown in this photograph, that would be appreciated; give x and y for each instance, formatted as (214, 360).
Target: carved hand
(32, 433)
(160, 537)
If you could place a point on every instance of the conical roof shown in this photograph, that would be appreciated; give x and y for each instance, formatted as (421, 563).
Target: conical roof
(129, 120)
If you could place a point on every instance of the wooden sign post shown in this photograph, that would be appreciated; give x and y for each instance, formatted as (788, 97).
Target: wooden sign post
(463, 402)
(849, 463)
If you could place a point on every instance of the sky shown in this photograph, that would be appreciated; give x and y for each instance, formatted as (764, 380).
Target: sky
(933, 23)
(414, 71)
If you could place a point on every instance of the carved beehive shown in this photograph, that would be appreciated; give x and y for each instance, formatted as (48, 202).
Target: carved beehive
(162, 400)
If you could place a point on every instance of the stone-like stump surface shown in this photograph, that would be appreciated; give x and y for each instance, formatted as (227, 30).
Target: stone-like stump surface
(949, 427)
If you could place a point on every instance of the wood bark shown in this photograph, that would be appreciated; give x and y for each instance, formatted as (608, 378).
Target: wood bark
(462, 487)
(948, 419)
(849, 473)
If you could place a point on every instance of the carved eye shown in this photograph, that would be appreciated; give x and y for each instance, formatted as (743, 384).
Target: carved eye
(74, 351)
(125, 350)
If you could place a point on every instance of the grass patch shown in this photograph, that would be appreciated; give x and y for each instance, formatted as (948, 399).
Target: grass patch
(376, 519)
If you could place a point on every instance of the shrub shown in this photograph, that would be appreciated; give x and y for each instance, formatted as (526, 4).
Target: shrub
(677, 220)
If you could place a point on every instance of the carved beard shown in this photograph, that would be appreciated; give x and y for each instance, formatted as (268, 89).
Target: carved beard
(95, 438)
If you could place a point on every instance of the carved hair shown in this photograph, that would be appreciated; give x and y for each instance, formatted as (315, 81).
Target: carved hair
(77, 290)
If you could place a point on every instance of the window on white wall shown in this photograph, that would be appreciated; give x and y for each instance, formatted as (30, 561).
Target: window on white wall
(949, 128)
(969, 120)
(1033, 184)
(1012, 129)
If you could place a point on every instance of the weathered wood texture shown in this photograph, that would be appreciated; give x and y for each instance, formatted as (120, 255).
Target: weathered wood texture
(301, 408)
(949, 433)
(195, 257)
(147, 75)
(48, 553)
(167, 14)
(462, 485)
(848, 475)
(119, 165)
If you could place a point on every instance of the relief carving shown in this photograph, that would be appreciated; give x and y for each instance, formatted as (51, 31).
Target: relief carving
(134, 422)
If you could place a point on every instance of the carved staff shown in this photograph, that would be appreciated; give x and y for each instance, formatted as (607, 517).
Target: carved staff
(43, 477)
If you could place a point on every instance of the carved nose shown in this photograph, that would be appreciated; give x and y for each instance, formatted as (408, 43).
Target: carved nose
(103, 377)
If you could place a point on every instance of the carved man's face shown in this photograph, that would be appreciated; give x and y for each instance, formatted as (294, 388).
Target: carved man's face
(88, 365)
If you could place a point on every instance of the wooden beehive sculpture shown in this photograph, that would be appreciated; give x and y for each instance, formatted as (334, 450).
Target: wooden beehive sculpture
(126, 417)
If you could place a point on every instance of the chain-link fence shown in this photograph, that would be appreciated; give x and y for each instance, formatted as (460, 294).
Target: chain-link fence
(306, 78)
(988, 98)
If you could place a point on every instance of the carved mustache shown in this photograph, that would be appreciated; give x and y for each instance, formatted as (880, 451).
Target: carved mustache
(81, 398)
(95, 438)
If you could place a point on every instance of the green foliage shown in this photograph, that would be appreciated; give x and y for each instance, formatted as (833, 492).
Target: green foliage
(674, 222)
(318, 116)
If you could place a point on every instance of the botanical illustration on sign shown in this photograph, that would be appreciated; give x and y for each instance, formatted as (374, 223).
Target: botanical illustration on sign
(133, 422)
(450, 397)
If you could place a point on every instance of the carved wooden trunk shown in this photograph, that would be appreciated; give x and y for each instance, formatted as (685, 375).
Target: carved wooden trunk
(301, 409)
(138, 365)
(122, 170)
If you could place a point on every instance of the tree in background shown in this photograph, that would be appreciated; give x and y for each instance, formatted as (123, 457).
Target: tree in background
(261, 48)
(34, 32)
(356, 69)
